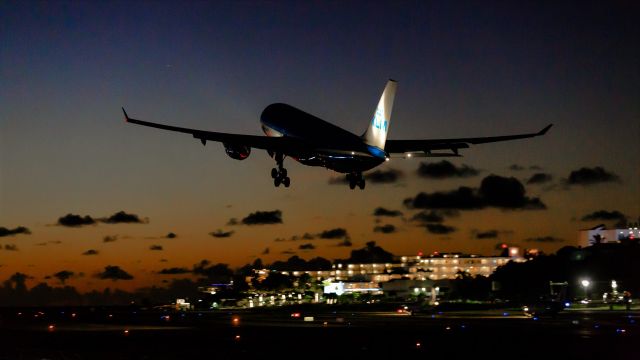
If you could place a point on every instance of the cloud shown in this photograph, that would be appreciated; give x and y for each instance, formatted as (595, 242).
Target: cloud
(171, 235)
(63, 275)
(174, 271)
(439, 229)
(90, 252)
(604, 215)
(434, 216)
(122, 217)
(384, 176)
(591, 176)
(112, 272)
(288, 252)
(156, 247)
(445, 169)
(110, 238)
(380, 211)
(516, 167)
(540, 178)
(544, 239)
(376, 177)
(495, 191)
(15, 231)
(11, 247)
(263, 218)
(345, 243)
(305, 236)
(337, 233)
(233, 221)
(308, 246)
(221, 234)
(488, 234)
(385, 229)
(265, 251)
(535, 168)
(72, 220)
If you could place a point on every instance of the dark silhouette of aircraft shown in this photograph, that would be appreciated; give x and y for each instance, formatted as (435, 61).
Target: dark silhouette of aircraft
(314, 142)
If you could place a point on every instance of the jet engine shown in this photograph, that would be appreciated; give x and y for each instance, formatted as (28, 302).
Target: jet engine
(238, 152)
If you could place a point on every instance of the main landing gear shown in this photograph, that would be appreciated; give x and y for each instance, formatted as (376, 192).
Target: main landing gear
(279, 175)
(356, 179)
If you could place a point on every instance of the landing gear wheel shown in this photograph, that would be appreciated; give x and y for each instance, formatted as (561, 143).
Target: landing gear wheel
(283, 173)
(361, 184)
(274, 173)
(277, 181)
(352, 185)
(286, 182)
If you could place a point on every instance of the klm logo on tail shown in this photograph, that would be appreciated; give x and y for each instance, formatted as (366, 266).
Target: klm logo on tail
(379, 122)
(376, 133)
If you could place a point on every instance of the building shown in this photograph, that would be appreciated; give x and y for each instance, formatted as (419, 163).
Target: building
(601, 235)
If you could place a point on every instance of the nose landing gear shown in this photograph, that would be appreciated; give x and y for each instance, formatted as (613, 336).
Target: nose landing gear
(356, 179)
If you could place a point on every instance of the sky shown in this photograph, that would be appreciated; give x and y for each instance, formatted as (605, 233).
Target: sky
(464, 69)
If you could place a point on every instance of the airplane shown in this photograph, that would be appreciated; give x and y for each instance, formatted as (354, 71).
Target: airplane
(311, 141)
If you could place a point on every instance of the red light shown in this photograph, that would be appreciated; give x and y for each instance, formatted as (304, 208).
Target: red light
(504, 246)
(295, 315)
(419, 253)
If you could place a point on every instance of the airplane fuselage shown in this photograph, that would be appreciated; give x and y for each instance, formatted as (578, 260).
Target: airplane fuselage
(328, 145)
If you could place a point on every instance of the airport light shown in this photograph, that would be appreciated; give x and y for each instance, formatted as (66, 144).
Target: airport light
(585, 283)
(614, 285)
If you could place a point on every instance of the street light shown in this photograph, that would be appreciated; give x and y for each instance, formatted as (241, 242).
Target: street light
(585, 284)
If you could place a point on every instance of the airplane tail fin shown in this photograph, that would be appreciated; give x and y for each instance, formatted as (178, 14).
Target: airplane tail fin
(376, 134)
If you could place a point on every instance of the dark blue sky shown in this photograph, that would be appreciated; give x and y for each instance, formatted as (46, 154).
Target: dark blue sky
(464, 69)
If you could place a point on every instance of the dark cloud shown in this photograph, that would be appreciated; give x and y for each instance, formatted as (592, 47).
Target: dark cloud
(122, 217)
(494, 191)
(535, 168)
(265, 251)
(72, 220)
(110, 238)
(63, 275)
(164, 260)
(90, 252)
(221, 234)
(539, 178)
(15, 231)
(375, 177)
(114, 273)
(385, 229)
(337, 233)
(439, 229)
(434, 216)
(171, 235)
(308, 246)
(445, 169)
(263, 218)
(288, 252)
(590, 176)
(11, 247)
(544, 239)
(489, 234)
(380, 211)
(345, 243)
(516, 167)
(604, 215)
(232, 222)
(384, 176)
(174, 271)
(305, 236)
(156, 247)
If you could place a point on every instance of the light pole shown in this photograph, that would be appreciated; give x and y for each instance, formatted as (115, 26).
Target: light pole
(585, 283)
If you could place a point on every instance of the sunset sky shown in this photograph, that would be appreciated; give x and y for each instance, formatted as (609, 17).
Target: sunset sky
(464, 69)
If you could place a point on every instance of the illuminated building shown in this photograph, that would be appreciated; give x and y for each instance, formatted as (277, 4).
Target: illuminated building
(601, 235)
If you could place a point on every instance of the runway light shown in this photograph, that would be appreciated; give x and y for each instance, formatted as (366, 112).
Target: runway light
(237, 338)
(126, 332)
(51, 327)
(418, 345)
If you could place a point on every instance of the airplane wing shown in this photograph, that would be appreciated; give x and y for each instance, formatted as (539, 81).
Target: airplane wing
(282, 144)
(423, 148)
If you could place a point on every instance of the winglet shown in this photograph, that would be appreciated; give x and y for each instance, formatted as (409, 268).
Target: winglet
(544, 131)
(126, 117)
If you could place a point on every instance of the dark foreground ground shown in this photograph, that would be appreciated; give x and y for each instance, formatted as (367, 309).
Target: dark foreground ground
(132, 334)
